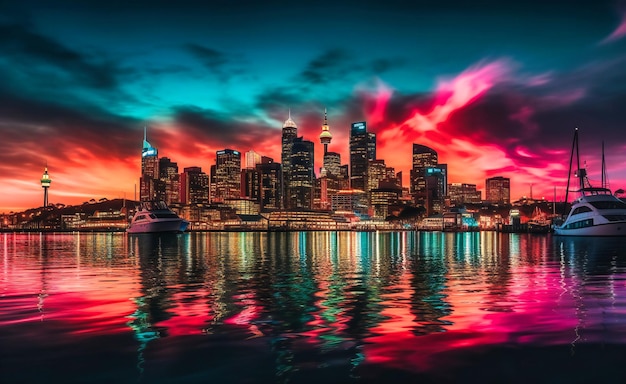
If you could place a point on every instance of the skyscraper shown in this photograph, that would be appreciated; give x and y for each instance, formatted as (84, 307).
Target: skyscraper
(270, 175)
(290, 132)
(302, 175)
(194, 186)
(498, 190)
(227, 174)
(149, 170)
(362, 150)
(45, 184)
(423, 158)
(252, 159)
(169, 180)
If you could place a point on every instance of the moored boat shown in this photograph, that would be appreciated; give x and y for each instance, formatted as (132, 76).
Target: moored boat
(597, 211)
(156, 217)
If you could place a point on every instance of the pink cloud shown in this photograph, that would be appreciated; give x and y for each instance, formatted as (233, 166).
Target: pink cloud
(618, 33)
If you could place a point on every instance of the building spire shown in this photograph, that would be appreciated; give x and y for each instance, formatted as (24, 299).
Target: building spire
(325, 136)
(45, 184)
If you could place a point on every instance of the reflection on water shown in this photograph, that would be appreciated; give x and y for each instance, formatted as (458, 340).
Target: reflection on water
(310, 306)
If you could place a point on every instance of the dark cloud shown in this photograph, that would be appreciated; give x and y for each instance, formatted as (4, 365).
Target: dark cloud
(41, 56)
(222, 130)
(223, 66)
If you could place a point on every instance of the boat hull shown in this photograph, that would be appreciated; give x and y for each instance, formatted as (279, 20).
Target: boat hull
(171, 226)
(608, 229)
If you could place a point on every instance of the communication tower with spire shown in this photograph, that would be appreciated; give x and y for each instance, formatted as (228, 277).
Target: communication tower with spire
(45, 184)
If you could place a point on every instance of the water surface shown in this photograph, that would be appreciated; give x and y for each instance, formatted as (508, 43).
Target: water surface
(308, 307)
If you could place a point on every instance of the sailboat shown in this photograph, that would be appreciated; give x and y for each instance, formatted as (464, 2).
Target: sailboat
(597, 211)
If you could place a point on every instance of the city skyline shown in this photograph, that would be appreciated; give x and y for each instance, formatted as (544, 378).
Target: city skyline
(496, 90)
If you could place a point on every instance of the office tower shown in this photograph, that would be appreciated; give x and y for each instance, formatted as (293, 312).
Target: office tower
(169, 180)
(498, 190)
(463, 193)
(362, 150)
(194, 186)
(252, 159)
(212, 184)
(423, 158)
(302, 175)
(149, 170)
(270, 180)
(290, 132)
(436, 188)
(227, 175)
(377, 172)
(45, 184)
(250, 183)
(332, 163)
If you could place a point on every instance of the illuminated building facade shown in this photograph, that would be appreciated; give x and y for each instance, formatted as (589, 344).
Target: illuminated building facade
(362, 150)
(270, 180)
(462, 193)
(302, 175)
(149, 179)
(498, 190)
(169, 181)
(423, 158)
(227, 175)
(194, 186)
(289, 133)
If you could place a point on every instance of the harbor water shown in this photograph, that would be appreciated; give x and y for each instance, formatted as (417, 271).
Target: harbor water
(311, 307)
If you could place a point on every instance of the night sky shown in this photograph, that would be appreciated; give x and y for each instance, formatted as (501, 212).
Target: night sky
(496, 88)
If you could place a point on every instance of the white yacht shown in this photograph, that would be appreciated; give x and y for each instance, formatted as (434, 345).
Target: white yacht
(156, 217)
(597, 211)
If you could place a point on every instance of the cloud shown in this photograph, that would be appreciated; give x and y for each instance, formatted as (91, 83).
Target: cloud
(39, 55)
(223, 66)
(617, 33)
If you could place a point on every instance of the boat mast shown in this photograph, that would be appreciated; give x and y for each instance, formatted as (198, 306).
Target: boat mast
(571, 158)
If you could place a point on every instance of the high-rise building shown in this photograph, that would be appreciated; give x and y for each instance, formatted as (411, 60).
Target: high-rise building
(290, 132)
(270, 180)
(325, 136)
(169, 180)
(302, 175)
(498, 190)
(252, 159)
(227, 175)
(423, 158)
(149, 171)
(377, 172)
(436, 188)
(250, 183)
(194, 186)
(45, 184)
(362, 150)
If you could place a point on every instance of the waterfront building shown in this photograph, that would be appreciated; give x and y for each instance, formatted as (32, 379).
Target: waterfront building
(149, 170)
(436, 188)
(302, 175)
(384, 199)
(498, 190)
(227, 175)
(45, 184)
(463, 193)
(362, 150)
(194, 186)
(350, 200)
(169, 181)
(289, 133)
